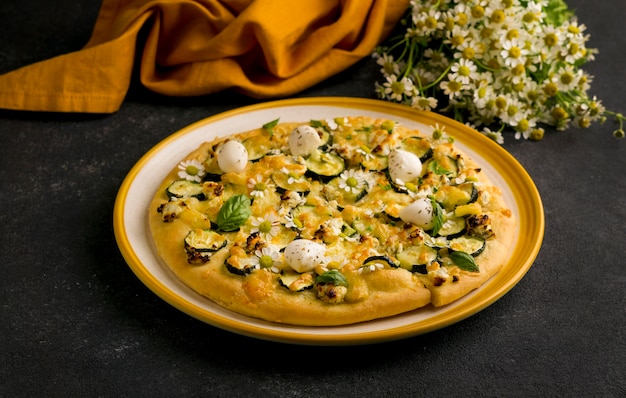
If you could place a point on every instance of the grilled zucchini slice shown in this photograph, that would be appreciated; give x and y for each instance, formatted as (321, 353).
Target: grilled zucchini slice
(324, 165)
(472, 245)
(185, 189)
(416, 258)
(204, 240)
(419, 146)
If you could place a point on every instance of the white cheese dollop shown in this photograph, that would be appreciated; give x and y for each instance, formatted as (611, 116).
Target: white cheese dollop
(420, 213)
(232, 157)
(404, 166)
(304, 140)
(304, 255)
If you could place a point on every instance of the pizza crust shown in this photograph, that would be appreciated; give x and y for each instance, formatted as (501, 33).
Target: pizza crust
(370, 295)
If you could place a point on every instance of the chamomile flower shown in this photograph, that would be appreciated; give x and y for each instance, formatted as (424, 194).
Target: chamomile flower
(267, 226)
(513, 53)
(395, 90)
(353, 180)
(504, 63)
(292, 177)
(465, 71)
(423, 103)
(494, 135)
(365, 152)
(191, 170)
(388, 66)
(453, 87)
(268, 258)
(290, 221)
(259, 186)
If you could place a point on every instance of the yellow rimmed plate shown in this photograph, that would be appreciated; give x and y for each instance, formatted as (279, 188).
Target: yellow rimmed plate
(134, 239)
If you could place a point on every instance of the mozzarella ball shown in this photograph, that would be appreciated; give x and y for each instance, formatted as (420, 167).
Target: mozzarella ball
(232, 157)
(304, 140)
(304, 255)
(419, 213)
(404, 166)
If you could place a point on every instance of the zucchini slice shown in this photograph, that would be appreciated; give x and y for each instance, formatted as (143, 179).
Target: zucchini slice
(470, 188)
(453, 227)
(419, 146)
(243, 266)
(212, 169)
(204, 240)
(326, 139)
(325, 165)
(257, 146)
(416, 258)
(185, 189)
(296, 282)
(384, 260)
(333, 191)
(472, 245)
(290, 182)
(375, 163)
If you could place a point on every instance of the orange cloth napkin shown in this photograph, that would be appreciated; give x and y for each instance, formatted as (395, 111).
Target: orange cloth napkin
(262, 48)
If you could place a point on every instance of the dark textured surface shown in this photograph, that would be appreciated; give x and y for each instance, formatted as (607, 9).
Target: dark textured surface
(75, 321)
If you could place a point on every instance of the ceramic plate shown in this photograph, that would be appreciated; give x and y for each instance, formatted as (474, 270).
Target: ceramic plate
(135, 243)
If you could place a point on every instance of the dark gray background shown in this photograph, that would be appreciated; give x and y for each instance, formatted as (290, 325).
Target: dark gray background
(75, 321)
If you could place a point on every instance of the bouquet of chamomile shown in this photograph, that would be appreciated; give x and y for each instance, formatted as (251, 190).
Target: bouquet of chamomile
(496, 65)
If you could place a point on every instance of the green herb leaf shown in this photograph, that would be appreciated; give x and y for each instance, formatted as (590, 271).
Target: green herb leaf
(438, 215)
(464, 261)
(318, 124)
(269, 126)
(333, 276)
(435, 168)
(233, 213)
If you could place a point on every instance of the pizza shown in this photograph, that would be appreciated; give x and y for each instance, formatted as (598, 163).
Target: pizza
(331, 222)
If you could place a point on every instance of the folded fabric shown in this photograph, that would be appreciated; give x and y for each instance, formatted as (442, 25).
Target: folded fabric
(262, 48)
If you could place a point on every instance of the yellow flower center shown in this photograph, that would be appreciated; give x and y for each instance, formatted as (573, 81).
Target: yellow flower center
(529, 17)
(558, 113)
(430, 23)
(397, 88)
(567, 78)
(523, 125)
(512, 110)
(462, 19)
(478, 11)
(192, 170)
(550, 89)
(265, 227)
(464, 70)
(515, 52)
(266, 261)
(501, 103)
(457, 40)
(551, 39)
(518, 70)
(498, 16)
(573, 29)
(468, 53)
(512, 34)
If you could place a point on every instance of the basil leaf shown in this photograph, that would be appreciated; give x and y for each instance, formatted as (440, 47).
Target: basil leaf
(333, 276)
(316, 123)
(269, 126)
(233, 213)
(464, 261)
(437, 215)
